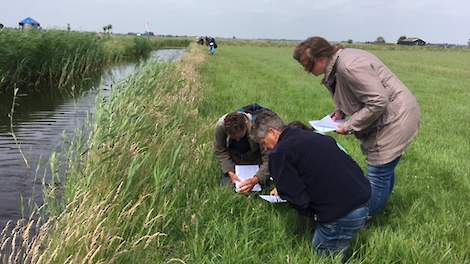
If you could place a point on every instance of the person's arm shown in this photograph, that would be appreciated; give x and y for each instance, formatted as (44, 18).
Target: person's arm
(368, 89)
(260, 176)
(263, 171)
(288, 182)
(221, 151)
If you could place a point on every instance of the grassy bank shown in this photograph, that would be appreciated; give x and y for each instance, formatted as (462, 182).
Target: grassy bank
(130, 48)
(169, 42)
(47, 61)
(62, 62)
(124, 48)
(132, 187)
(147, 189)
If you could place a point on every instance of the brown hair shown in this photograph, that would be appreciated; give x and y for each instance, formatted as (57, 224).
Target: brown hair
(234, 123)
(314, 48)
(299, 125)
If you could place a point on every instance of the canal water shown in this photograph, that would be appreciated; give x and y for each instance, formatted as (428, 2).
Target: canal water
(44, 128)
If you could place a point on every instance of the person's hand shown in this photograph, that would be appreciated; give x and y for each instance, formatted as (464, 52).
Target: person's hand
(336, 115)
(274, 192)
(340, 129)
(233, 177)
(248, 184)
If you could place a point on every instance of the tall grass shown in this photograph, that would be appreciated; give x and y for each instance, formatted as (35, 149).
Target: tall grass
(170, 42)
(146, 190)
(122, 201)
(60, 62)
(126, 48)
(33, 61)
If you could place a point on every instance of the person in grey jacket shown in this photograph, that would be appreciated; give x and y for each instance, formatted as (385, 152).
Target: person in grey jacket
(233, 146)
(383, 113)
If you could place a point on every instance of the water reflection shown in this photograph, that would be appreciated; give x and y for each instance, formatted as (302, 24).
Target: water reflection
(40, 126)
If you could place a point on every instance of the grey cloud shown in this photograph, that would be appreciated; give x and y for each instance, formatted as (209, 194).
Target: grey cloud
(360, 20)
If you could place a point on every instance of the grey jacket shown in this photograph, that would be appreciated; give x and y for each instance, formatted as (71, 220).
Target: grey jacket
(228, 157)
(384, 114)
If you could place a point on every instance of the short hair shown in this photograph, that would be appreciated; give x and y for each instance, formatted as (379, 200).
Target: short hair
(314, 48)
(300, 125)
(234, 123)
(264, 121)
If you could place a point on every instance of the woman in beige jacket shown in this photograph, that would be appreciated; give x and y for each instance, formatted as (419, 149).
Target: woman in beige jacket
(383, 113)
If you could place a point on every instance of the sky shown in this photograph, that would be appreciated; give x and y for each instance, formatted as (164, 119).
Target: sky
(435, 21)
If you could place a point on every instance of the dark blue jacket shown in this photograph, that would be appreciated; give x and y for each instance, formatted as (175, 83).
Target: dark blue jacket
(315, 176)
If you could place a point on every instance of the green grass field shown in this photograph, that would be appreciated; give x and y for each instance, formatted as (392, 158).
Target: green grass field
(146, 190)
(427, 219)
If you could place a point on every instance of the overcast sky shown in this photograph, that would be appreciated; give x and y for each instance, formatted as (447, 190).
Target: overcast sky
(435, 21)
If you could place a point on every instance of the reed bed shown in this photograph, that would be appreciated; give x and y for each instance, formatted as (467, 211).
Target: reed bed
(123, 196)
(47, 61)
(65, 63)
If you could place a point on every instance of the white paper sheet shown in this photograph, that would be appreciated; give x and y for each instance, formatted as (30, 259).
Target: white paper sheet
(245, 172)
(273, 199)
(326, 124)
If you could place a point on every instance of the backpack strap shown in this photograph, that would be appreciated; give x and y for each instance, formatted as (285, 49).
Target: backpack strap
(253, 109)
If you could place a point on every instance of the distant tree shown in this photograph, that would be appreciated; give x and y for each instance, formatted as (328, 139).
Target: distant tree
(1, 26)
(401, 38)
(68, 26)
(468, 42)
(350, 41)
(380, 40)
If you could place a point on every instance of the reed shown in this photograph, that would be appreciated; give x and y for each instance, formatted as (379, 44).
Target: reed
(120, 49)
(65, 63)
(47, 61)
(118, 205)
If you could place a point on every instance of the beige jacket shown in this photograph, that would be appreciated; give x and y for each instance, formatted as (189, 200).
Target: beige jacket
(228, 157)
(384, 114)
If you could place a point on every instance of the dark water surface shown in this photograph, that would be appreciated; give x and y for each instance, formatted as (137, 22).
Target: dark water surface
(43, 127)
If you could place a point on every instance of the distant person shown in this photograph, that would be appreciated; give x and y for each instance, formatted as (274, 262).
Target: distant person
(233, 146)
(384, 114)
(200, 41)
(318, 179)
(212, 46)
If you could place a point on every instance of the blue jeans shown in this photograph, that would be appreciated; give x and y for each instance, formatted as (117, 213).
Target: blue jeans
(382, 180)
(212, 50)
(334, 237)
